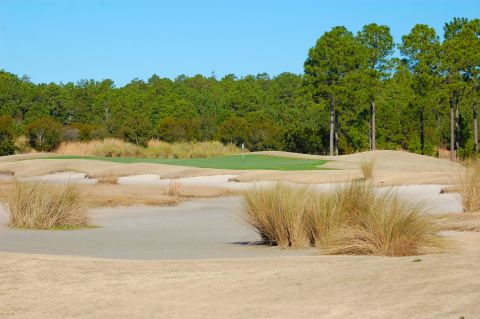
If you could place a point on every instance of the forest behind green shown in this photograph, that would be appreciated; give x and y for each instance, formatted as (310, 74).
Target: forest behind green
(358, 92)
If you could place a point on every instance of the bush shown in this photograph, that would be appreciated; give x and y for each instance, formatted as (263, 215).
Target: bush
(352, 219)
(7, 142)
(22, 145)
(45, 134)
(44, 206)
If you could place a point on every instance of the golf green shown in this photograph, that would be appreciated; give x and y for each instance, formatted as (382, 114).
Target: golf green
(250, 162)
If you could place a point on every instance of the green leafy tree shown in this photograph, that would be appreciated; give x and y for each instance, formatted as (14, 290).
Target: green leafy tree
(336, 54)
(421, 47)
(45, 134)
(7, 144)
(378, 43)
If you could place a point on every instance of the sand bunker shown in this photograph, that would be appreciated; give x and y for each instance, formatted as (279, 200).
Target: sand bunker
(193, 230)
(392, 168)
(61, 178)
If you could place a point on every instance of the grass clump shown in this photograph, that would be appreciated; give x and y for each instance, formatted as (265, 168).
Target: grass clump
(107, 179)
(174, 189)
(47, 206)
(109, 147)
(277, 213)
(469, 187)
(185, 150)
(351, 219)
(155, 149)
(368, 169)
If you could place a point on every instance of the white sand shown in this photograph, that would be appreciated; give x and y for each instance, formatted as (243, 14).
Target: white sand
(61, 178)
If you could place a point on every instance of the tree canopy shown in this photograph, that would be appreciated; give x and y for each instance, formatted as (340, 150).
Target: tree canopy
(357, 93)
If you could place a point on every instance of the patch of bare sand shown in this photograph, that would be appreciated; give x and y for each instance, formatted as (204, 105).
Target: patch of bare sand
(469, 222)
(435, 286)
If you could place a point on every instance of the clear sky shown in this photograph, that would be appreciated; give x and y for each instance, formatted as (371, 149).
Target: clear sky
(61, 41)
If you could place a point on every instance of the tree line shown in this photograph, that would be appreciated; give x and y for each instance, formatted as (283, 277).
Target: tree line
(358, 92)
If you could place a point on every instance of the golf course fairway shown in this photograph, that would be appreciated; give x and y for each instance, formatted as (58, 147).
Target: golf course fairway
(249, 162)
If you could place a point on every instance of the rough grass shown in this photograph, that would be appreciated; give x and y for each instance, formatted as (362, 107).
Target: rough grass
(351, 219)
(174, 189)
(46, 206)
(155, 149)
(110, 178)
(469, 187)
(368, 169)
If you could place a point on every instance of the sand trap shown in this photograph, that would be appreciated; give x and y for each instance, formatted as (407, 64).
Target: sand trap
(193, 230)
(61, 178)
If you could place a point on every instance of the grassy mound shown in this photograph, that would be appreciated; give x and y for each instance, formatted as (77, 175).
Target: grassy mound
(352, 219)
(45, 206)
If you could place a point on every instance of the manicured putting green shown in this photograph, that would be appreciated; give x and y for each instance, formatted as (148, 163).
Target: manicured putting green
(251, 161)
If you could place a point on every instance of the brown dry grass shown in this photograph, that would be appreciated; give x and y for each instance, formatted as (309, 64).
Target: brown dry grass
(155, 149)
(350, 220)
(107, 179)
(469, 187)
(367, 168)
(44, 206)
(174, 189)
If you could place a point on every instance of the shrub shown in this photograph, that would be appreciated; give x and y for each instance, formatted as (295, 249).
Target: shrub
(43, 206)
(45, 134)
(469, 187)
(7, 145)
(351, 219)
(22, 145)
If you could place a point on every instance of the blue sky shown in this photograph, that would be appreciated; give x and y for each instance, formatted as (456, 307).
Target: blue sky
(62, 41)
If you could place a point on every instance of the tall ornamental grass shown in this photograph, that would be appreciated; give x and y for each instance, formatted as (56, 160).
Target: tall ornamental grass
(155, 149)
(41, 205)
(351, 219)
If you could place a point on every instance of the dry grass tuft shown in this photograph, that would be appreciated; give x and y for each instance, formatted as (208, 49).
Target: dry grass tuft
(469, 187)
(174, 189)
(155, 149)
(277, 213)
(352, 219)
(110, 147)
(107, 179)
(160, 149)
(368, 169)
(45, 206)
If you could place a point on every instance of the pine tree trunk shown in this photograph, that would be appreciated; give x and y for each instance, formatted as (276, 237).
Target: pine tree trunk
(422, 130)
(332, 126)
(475, 124)
(374, 133)
(457, 126)
(452, 131)
(336, 133)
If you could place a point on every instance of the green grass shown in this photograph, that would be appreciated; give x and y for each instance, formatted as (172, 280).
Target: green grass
(251, 162)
